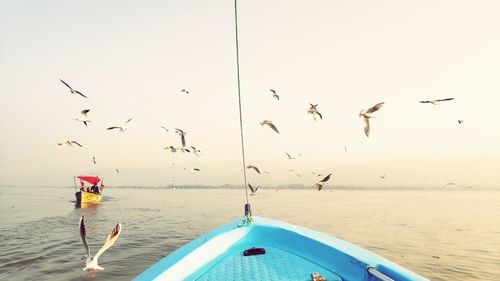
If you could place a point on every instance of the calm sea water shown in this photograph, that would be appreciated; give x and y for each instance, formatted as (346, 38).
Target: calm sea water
(39, 236)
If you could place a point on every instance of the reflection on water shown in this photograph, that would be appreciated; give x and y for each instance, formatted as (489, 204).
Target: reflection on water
(39, 234)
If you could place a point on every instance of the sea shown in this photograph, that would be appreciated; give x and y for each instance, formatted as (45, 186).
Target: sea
(447, 234)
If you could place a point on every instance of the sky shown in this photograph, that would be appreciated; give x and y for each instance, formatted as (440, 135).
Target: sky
(132, 58)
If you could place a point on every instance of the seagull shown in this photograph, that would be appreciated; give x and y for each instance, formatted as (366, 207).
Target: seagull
(69, 142)
(83, 116)
(289, 156)
(193, 170)
(267, 173)
(93, 160)
(117, 170)
(274, 94)
(435, 102)
(253, 190)
(182, 134)
(270, 124)
(184, 91)
(460, 122)
(383, 177)
(164, 128)
(314, 111)
(91, 265)
(122, 128)
(319, 185)
(299, 175)
(73, 91)
(366, 115)
(253, 167)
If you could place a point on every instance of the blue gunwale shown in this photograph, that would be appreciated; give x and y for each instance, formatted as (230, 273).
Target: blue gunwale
(208, 251)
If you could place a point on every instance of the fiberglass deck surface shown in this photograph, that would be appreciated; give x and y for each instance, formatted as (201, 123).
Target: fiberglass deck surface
(274, 265)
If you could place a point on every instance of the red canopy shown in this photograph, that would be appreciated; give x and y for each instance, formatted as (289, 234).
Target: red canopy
(89, 179)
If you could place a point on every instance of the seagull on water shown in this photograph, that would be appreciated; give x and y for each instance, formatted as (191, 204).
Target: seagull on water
(274, 94)
(435, 102)
(122, 128)
(182, 134)
(270, 124)
(319, 185)
(69, 143)
(91, 265)
(72, 91)
(83, 116)
(314, 111)
(253, 190)
(254, 168)
(366, 115)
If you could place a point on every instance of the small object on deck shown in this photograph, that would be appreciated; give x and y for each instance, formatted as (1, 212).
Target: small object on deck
(316, 277)
(254, 251)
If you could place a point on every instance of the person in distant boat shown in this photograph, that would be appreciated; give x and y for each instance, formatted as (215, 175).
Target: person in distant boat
(95, 189)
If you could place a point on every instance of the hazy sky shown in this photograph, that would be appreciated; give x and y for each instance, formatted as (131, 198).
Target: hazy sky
(131, 58)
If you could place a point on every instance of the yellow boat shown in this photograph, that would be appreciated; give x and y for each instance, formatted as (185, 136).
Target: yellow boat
(87, 197)
(90, 194)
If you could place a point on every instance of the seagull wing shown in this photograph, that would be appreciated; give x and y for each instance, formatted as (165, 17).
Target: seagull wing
(289, 157)
(84, 112)
(83, 236)
(164, 128)
(251, 188)
(76, 143)
(273, 91)
(253, 167)
(112, 237)
(447, 99)
(375, 107)
(367, 126)
(66, 84)
(272, 126)
(81, 94)
(321, 117)
(112, 128)
(183, 140)
(425, 101)
(325, 179)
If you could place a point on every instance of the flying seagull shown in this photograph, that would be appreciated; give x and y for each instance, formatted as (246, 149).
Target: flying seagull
(83, 116)
(182, 134)
(366, 115)
(435, 102)
(71, 89)
(117, 170)
(314, 111)
(289, 156)
(69, 142)
(270, 124)
(253, 190)
(383, 177)
(184, 91)
(319, 185)
(164, 128)
(253, 167)
(122, 128)
(274, 94)
(460, 122)
(91, 265)
(194, 170)
(93, 160)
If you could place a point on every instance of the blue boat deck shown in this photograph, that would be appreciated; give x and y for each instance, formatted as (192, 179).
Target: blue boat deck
(274, 265)
(292, 253)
